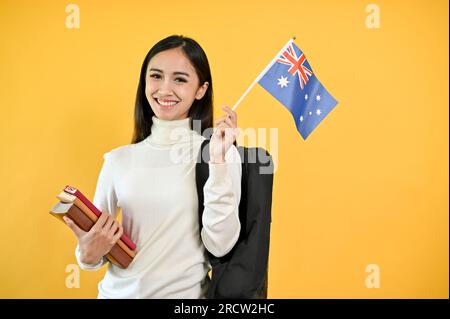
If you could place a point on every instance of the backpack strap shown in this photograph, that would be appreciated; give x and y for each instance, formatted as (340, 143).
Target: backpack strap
(201, 176)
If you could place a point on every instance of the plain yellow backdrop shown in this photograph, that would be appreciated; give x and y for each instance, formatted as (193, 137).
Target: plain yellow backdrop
(369, 186)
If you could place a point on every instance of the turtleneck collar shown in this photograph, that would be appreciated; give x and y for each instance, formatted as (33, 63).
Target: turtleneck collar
(165, 132)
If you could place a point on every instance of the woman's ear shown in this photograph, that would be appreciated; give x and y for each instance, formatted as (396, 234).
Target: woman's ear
(201, 91)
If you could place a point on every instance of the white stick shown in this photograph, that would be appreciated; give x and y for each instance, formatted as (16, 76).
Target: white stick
(263, 72)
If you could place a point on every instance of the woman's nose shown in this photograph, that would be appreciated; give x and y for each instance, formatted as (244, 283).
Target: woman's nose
(165, 87)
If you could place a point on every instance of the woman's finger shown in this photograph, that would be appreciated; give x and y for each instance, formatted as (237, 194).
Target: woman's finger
(221, 119)
(100, 222)
(229, 122)
(118, 234)
(75, 229)
(231, 113)
(225, 120)
(114, 228)
(108, 224)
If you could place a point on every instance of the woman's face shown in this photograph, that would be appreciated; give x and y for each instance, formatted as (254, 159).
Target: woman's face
(172, 84)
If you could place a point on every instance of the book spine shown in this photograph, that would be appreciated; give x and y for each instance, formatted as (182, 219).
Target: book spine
(94, 218)
(79, 218)
(120, 256)
(113, 261)
(96, 211)
(85, 223)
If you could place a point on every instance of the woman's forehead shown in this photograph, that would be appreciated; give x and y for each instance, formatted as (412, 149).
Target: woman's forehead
(171, 61)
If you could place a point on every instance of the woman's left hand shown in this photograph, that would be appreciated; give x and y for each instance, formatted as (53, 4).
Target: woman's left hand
(225, 133)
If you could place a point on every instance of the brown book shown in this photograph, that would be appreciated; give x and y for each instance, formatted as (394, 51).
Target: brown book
(69, 198)
(119, 256)
(76, 192)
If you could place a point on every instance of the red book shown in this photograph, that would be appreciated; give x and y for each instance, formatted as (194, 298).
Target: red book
(96, 211)
(117, 255)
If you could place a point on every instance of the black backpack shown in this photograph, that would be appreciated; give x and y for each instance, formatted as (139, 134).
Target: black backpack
(243, 272)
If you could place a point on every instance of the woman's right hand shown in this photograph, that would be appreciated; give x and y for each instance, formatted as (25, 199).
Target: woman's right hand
(99, 240)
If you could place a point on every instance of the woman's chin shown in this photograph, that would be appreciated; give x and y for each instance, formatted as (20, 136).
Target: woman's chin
(169, 116)
(166, 117)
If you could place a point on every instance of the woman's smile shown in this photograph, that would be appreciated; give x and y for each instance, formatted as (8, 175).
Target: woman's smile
(166, 104)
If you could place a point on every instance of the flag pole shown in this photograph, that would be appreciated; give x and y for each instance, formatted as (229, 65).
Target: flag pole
(264, 71)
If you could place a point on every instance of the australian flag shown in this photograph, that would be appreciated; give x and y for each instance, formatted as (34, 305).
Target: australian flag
(292, 81)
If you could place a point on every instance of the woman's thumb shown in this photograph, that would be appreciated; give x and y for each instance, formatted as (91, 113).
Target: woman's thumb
(76, 230)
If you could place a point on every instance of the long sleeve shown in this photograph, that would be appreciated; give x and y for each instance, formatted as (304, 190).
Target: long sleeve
(85, 266)
(105, 200)
(222, 190)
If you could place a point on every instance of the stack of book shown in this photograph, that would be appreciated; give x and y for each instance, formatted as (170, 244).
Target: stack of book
(73, 204)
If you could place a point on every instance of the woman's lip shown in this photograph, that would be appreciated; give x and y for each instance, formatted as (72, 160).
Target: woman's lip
(167, 100)
(166, 106)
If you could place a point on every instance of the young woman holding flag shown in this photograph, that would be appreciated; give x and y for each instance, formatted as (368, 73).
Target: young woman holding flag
(152, 180)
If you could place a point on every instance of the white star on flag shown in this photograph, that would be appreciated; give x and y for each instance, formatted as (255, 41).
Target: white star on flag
(283, 81)
(318, 112)
(306, 96)
(318, 97)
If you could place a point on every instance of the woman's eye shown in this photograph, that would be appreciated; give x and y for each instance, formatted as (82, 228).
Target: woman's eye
(157, 76)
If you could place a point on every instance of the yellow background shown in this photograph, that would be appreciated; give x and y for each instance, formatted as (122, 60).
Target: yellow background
(369, 186)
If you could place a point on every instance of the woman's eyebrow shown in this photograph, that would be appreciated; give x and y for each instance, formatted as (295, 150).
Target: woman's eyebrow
(175, 73)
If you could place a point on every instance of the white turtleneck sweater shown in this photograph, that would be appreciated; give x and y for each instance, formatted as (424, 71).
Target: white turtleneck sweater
(153, 182)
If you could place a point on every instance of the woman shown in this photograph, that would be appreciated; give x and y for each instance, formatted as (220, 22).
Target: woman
(152, 180)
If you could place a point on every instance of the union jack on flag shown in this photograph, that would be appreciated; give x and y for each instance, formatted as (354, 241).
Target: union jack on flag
(297, 65)
(290, 79)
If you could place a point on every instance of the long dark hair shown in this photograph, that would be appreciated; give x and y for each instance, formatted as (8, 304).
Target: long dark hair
(200, 110)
